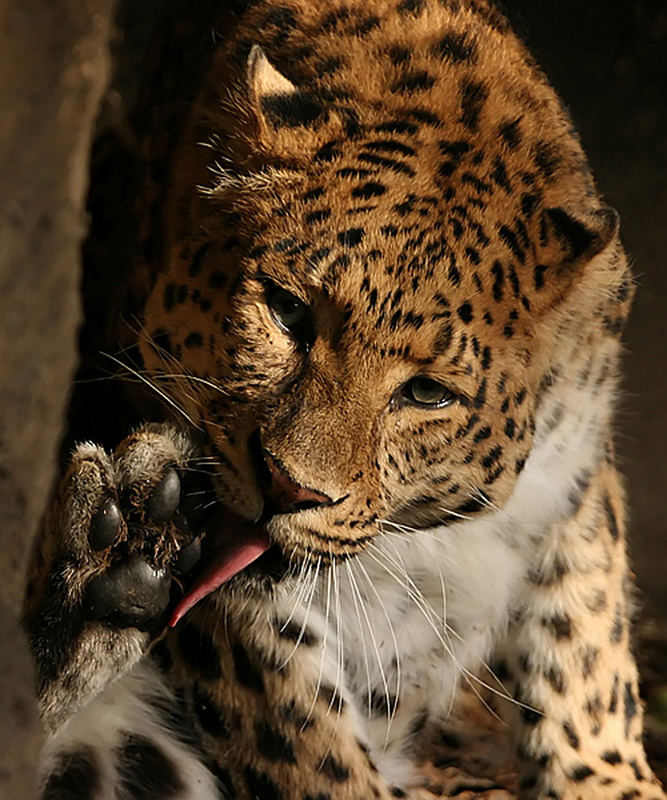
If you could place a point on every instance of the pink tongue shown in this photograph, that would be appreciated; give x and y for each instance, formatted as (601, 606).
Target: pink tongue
(228, 563)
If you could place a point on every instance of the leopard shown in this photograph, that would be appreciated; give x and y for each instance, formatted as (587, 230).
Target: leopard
(374, 543)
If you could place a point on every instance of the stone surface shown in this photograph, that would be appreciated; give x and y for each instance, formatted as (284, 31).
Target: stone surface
(53, 70)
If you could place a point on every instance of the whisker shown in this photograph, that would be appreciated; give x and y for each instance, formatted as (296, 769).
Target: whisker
(429, 614)
(362, 639)
(478, 494)
(311, 592)
(299, 591)
(391, 711)
(383, 678)
(192, 379)
(322, 654)
(339, 634)
(436, 543)
(158, 391)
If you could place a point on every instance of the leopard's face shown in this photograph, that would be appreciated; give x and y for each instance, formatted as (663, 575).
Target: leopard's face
(357, 319)
(375, 358)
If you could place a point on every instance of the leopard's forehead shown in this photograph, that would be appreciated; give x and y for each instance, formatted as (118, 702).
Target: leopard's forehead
(406, 251)
(401, 174)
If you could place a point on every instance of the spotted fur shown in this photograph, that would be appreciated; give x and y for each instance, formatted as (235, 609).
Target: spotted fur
(403, 169)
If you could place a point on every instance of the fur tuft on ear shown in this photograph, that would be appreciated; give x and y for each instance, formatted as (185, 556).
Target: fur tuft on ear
(263, 78)
(276, 101)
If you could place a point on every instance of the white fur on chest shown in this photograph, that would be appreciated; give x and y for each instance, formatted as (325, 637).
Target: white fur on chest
(421, 610)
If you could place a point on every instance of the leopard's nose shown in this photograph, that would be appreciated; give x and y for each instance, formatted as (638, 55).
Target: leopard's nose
(284, 493)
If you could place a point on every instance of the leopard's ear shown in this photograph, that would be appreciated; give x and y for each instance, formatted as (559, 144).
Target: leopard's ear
(568, 242)
(286, 118)
(577, 239)
(265, 83)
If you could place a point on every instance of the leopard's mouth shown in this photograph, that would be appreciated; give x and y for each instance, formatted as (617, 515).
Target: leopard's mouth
(232, 545)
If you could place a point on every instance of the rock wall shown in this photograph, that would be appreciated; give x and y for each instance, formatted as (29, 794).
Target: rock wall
(54, 66)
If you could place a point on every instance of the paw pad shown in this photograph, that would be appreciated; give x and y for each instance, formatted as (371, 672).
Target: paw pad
(164, 500)
(130, 595)
(140, 551)
(105, 525)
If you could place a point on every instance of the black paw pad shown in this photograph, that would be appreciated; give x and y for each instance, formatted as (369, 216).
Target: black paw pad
(166, 496)
(188, 557)
(105, 525)
(130, 595)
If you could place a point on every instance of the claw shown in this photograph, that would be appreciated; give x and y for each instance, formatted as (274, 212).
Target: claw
(188, 557)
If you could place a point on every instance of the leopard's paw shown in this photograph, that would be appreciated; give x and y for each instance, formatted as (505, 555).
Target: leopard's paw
(119, 538)
(140, 537)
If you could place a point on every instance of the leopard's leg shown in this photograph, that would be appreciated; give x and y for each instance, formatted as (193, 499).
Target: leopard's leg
(113, 539)
(580, 722)
(269, 701)
(130, 742)
(76, 657)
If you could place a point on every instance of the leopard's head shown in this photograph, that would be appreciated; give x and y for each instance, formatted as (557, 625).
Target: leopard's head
(365, 309)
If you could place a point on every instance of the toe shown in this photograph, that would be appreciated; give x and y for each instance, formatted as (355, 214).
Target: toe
(105, 525)
(188, 557)
(166, 496)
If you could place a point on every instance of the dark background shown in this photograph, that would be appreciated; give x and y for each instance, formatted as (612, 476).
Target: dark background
(608, 61)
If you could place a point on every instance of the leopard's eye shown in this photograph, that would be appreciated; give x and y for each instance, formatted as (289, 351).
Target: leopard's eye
(427, 392)
(287, 310)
